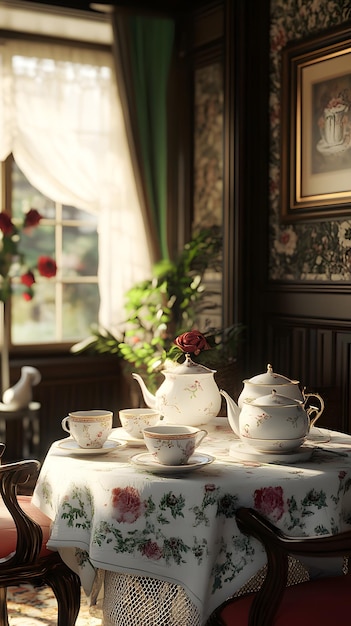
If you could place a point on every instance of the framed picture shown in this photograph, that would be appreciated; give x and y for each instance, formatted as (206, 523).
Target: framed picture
(316, 127)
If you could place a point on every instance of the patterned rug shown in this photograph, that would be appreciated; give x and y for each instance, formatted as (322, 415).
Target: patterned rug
(29, 606)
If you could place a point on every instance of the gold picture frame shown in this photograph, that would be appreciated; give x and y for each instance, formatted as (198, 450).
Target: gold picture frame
(316, 127)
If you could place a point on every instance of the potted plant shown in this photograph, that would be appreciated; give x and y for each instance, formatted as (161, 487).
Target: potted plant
(166, 305)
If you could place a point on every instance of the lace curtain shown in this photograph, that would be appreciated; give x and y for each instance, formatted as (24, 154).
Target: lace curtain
(61, 118)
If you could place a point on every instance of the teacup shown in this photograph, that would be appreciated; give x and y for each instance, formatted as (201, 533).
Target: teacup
(173, 445)
(135, 420)
(90, 429)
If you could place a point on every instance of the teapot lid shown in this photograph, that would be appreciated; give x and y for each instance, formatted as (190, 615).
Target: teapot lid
(189, 367)
(275, 399)
(270, 378)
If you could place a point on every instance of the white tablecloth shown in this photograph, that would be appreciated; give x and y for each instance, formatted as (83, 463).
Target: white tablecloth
(181, 528)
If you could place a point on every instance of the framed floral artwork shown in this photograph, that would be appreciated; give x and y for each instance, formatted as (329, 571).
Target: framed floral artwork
(316, 127)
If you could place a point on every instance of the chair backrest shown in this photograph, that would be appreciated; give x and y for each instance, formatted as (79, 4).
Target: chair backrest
(279, 547)
(29, 532)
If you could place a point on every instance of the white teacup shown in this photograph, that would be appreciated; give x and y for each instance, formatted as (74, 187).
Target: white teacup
(90, 429)
(173, 445)
(135, 420)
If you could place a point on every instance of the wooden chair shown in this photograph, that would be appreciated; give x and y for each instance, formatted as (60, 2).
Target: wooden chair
(323, 601)
(24, 558)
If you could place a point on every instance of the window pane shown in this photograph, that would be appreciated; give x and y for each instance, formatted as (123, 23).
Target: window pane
(39, 242)
(25, 197)
(64, 307)
(79, 251)
(80, 310)
(71, 213)
(34, 321)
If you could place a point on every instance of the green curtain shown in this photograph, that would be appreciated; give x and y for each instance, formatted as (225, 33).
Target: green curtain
(143, 53)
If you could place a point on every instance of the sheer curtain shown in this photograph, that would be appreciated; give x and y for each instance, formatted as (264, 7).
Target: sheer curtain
(61, 118)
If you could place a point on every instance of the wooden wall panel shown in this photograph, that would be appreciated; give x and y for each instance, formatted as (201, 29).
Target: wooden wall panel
(319, 357)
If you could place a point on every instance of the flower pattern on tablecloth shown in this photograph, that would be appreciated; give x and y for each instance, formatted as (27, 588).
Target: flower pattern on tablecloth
(231, 560)
(130, 507)
(269, 501)
(127, 505)
(122, 519)
(78, 508)
(139, 526)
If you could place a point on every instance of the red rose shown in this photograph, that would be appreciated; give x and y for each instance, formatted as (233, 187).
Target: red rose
(210, 487)
(269, 501)
(28, 295)
(5, 224)
(127, 504)
(192, 342)
(32, 218)
(47, 266)
(152, 550)
(28, 279)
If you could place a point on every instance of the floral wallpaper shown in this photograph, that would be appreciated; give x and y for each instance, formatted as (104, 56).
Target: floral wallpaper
(320, 250)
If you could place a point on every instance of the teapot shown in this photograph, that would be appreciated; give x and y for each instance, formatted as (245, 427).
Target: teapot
(262, 384)
(188, 395)
(270, 417)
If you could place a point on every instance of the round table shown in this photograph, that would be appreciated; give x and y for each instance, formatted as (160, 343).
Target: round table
(180, 529)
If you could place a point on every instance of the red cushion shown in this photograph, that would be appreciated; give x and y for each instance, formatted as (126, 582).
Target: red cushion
(323, 601)
(8, 532)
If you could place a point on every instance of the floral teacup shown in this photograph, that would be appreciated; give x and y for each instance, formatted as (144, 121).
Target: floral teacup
(173, 445)
(135, 420)
(90, 429)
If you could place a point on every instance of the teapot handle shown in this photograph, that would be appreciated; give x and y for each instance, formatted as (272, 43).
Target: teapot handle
(313, 412)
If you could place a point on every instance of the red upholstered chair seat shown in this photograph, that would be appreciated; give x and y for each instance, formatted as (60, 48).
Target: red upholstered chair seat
(24, 558)
(325, 601)
(8, 531)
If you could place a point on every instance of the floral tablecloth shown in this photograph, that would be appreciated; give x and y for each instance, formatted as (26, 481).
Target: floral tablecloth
(181, 528)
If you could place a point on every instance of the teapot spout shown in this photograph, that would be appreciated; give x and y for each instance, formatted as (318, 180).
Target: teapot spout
(233, 412)
(149, 398)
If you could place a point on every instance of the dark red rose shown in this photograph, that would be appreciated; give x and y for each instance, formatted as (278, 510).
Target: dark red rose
(5, 224)
(127, 504)
(47, 266)
(269, 501)
(192, 342)
(210, 487)
(28, 279)
(32, 218)
(152, 550)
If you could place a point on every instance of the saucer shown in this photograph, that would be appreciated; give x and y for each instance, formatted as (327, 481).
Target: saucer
(146, 461)
(122, 435)
(70, 445)
(239, 450)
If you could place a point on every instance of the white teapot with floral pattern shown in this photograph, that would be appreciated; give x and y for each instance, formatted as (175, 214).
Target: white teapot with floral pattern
(262, 385)
(271, 417)
(189, 394)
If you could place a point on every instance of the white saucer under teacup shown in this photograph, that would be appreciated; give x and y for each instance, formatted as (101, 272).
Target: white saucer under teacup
(147, 462)
(242, 452)
(70, 446)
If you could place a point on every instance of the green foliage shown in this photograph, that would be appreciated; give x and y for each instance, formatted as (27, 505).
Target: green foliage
(166, 305)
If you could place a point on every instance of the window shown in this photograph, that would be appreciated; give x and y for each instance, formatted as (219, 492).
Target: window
(61, 119)
(63, 308)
